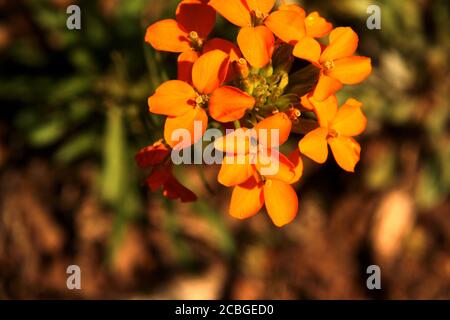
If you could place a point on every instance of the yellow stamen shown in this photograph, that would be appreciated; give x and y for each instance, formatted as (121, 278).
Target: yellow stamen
(328, 65)
(193, 35)
(199, 100)
(195, 40)
(259, 14)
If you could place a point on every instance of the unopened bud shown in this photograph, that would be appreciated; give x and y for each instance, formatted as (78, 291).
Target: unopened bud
(284, 81)
(304, 80)
(287, 101)
(266, 71)
(282, 58)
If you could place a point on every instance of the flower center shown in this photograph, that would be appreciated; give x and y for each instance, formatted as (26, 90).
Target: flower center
(196, 42)
(201, 100)
(332, 133)
(328, 65)
(266, 86)
(258, 17)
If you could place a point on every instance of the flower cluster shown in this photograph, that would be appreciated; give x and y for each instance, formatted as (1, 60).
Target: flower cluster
(280, 78)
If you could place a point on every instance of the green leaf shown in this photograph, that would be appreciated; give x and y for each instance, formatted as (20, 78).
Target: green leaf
(47, 133)
(114, 173)
(77, 147)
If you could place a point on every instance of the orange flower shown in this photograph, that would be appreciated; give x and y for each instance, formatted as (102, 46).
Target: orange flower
(255, 40)
(259, 174)
(337, 127)
(337, 63)
(188, 34)
(185, 104)
(156, 157)
(290, 24)
(255, 185)
(194, 21)
(186, 59)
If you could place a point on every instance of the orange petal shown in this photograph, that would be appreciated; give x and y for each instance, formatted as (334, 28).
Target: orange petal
(157, 178)
(209, 71)
(196, 16)
(351, 70)
(234, 11)
(230, 49)
(263, 6)
(289, 26)
(279, 124)
(185, 63)
(314, 145)
(246, 200)
(343, 43)
(325, 110)
(308, 49)
(281, 202)
(326, 86)
(306, 102)
(296, 160)
(256, 44)
(167, 35)
(235, 170)
(292, 7)
(225, 46)
(346, 152)
(172, 98)
(175, 190)
(275, 165)
(194, 121)
(229, 103)
(152, 155)
(316, 26)
(236, 142)
(349, 120)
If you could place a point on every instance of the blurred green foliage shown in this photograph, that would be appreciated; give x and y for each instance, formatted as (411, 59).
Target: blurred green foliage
(82, 94)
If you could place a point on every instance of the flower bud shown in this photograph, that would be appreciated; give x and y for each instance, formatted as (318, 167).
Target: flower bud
(282, 58)
(287, 101)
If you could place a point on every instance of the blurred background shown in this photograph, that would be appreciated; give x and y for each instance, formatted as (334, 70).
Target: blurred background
(74, 113)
